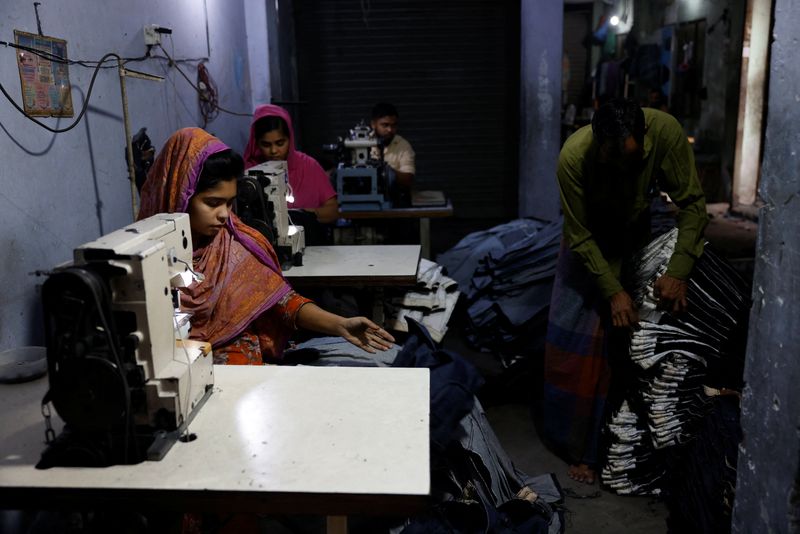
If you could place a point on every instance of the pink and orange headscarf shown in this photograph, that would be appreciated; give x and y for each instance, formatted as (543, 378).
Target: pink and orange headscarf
(242, 273)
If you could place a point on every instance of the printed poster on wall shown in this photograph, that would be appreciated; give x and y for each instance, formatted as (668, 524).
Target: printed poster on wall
(46, 91)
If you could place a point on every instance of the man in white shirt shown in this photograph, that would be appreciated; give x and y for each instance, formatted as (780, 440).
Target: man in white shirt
(397, 152)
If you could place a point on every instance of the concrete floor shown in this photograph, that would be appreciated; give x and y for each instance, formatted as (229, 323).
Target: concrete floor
(607, 513)
(508, 401)
(509, 397)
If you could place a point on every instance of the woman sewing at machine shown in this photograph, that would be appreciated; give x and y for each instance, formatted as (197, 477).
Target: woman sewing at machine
(272, 139)
(243, 306)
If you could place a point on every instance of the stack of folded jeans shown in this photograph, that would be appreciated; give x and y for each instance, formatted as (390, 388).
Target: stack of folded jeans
(633, 466)
(462, 260)
(703, 476)
(670, 397)
(677, 362)
(507, 275)
(431, 303)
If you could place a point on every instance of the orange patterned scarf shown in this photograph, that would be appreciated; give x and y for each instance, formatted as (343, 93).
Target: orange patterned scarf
(242, 274)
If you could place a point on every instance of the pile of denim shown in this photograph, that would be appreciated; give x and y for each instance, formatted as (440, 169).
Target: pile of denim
(506, 274)
(702, 484)
(678, 365)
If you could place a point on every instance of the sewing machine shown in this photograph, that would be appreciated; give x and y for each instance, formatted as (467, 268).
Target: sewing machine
(261, 202)
(362, 180)
(121, 375)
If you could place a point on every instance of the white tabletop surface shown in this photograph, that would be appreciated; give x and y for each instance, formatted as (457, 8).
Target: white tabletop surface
(358, 264)
(297, 430)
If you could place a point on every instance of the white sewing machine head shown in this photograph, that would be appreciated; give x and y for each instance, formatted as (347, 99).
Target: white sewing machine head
(261, 202)
(120, 376)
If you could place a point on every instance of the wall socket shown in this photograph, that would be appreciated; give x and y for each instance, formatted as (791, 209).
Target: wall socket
(151, 36)
(153, 32)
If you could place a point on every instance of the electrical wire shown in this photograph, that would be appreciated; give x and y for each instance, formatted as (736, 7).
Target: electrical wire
(60, 59)
(179, 60)
(89, 64)
(198, 89)
(209, 103)
(197, 276)
(85, 100)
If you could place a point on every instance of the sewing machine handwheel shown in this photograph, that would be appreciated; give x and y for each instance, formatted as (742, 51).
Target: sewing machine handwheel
(89, 392)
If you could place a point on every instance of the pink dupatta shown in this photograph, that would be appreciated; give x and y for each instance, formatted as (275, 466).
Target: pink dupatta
(310, 184)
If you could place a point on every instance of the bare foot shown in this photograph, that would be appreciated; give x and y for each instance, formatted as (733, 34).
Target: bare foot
(581, 473)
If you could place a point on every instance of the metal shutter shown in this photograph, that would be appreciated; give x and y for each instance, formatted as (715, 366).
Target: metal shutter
(450, 67)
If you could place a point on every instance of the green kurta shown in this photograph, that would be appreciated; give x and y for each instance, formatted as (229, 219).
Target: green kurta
(606, 212)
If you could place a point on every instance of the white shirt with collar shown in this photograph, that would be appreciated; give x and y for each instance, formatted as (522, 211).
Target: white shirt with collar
(399, 155)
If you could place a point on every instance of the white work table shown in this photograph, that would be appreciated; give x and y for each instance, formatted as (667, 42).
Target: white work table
(310, 440)
(357, 265)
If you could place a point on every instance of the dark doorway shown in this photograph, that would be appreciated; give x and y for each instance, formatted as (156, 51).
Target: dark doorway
(451, 68)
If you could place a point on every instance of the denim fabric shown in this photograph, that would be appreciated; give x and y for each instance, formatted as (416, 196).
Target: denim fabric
(503, 481)
(520, 516)
(509, 294)
(472, 477)
(476, 436)
(462, 260)
(335, 351)
(702, 487)
(453, 382)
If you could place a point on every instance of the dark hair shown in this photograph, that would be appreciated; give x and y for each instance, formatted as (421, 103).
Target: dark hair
(220, 167)
(616, 120)
(270, 123)
(384, 109)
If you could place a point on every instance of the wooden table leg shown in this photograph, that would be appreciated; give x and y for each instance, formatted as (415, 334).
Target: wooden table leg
(377, 305)
(336, 524)
(425, 237)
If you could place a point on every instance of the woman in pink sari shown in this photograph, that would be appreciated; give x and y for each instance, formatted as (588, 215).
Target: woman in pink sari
(272, 139)
(243, 306)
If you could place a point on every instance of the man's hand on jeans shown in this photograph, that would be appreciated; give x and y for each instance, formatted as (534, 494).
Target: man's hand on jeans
(670, 293)
(623, 312)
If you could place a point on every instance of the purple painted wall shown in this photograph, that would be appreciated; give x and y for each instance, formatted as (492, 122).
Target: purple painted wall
(59, 191)
(540, 108)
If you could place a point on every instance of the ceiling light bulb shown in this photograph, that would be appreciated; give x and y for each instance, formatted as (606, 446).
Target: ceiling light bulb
(614, 20)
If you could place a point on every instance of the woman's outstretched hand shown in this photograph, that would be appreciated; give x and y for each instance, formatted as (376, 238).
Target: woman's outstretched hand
(359, 331)
(365, 334)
